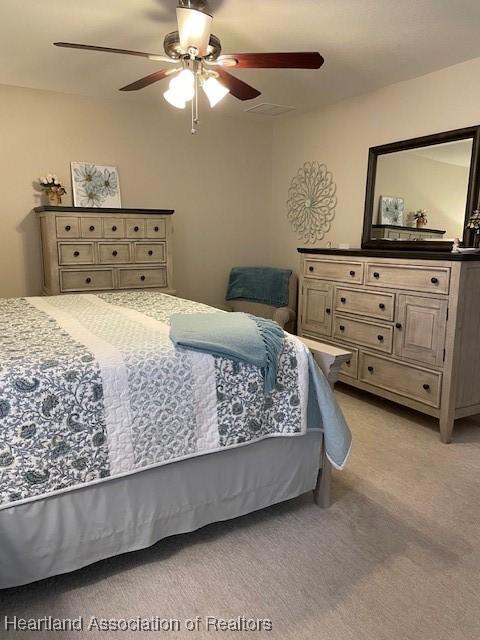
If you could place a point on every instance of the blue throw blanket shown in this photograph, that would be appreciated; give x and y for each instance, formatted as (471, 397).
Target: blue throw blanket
(259, 284)
(237, 336)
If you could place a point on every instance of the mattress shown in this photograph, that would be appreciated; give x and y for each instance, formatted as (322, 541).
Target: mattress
(92, 388)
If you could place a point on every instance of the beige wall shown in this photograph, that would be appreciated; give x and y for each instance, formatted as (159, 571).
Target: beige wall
(439, 188)
(219, 182)
(341, 135)
(228, 185)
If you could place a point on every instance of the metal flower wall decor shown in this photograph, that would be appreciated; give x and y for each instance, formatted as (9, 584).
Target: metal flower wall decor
(311, 202)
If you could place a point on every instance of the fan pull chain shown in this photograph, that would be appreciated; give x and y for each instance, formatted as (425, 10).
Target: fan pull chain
(195, 118)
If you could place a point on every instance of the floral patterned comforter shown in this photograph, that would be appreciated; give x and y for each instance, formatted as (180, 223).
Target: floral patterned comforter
(92, 388)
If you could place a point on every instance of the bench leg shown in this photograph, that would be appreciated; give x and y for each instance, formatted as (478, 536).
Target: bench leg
(321, 493)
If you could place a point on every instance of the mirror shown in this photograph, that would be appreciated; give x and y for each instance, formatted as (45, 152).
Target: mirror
(421, 192)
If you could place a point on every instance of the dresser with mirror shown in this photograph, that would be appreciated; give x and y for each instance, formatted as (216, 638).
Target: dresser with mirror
(406, 306)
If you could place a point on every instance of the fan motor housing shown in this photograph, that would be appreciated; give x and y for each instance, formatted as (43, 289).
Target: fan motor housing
(173, 50)
(199, 5)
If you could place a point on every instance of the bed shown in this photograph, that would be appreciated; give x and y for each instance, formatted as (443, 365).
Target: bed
(112, 439)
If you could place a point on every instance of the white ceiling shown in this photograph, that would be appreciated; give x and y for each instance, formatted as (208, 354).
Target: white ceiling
(366, 44)
(458, 153)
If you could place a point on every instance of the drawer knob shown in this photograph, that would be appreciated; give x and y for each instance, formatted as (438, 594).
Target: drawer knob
(114, 253)
(376, 275)
(150, 253)
(114, 228)
(380, 338)
(343, 300)
(156, 229)
(88, 280)
(381, 306)
(310, 269)
(434, 280)
(136, 228)
(92, 228)
(68, 228)
(398, 325)
(348, 363)
(370, 369)
(426, 387)
(352, 273)
(76, 253)
(142, 278)
(328, 311)
(342, 327)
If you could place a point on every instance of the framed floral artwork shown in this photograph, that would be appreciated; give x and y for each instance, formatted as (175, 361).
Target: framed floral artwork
(95, 185)
(391, 210)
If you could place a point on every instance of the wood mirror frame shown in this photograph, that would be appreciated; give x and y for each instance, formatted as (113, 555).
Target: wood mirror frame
(424, 141)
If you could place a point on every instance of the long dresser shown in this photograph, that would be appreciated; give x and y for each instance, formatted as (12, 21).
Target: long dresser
(411, 320)
(89, 249)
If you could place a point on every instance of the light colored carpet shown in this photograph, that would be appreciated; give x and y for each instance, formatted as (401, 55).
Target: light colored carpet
(397, 556)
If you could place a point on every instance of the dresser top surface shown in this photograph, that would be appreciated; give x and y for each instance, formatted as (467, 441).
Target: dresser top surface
(396, 227)
(379, 253)
(99, 210)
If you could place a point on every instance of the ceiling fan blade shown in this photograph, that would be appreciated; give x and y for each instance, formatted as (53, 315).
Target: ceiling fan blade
(148, 80)
(128, 52)
(237, 88)
(194, 29)
(298, 60)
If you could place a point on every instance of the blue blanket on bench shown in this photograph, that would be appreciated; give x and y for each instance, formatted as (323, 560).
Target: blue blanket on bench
(265, 285)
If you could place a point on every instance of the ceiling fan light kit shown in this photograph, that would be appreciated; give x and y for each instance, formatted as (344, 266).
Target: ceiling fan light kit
(214, 90)
(197, 54)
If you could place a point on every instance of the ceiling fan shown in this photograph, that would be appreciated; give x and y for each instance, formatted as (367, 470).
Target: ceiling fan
(198, 62)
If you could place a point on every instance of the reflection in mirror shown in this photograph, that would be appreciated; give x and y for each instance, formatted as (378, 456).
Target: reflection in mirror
(421, 193)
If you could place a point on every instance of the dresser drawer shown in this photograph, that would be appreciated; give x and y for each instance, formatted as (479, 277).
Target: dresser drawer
(402, 379)
(113, 228)
(91, 227)
(155, 228)
(142, 278)
(150, 252)
(414, 278)
(86, 280)
(75, 253)
(365, 303)
(334, 270)
(350, 368)
(114, 252)
(368, 334)
(135, 227)
(67, 227)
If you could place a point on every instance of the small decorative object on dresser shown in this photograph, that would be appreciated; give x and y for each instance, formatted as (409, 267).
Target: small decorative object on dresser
(474, 225)
(410, 320)
(87, 249)
(391, 210)
(53, 188)
(95, 185)
(420, 218)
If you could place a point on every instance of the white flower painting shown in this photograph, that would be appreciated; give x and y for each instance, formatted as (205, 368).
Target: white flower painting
(95, 185)
(391, 210)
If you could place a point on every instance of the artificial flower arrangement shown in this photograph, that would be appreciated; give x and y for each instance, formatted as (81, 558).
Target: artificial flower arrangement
(53, 188)
(420, 217)
(474, 225)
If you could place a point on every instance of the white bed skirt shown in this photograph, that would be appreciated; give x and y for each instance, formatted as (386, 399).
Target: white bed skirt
(62, 533)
